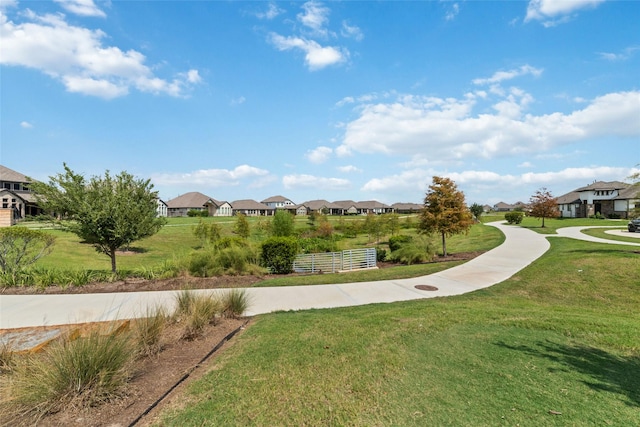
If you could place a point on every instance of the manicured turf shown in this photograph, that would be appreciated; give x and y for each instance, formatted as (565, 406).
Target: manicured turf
(557, 344)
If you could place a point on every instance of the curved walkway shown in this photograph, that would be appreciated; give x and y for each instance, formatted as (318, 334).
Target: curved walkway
(576, 233)
(521, 247)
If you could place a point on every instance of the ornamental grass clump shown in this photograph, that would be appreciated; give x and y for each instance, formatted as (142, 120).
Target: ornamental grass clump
(148, 330)
(82, 372)
(235, 303)
(195, 311)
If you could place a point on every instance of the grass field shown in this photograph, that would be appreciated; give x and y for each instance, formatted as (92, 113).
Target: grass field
(558, 344)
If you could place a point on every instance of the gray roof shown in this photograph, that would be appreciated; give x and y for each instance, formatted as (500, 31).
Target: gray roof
(407, 206)
(569, 198)
(346, 204)
(602, 185)
(10, 175)
(249, 204)
(276, 199)
(372, 204)
(190, 200)
(315, 205)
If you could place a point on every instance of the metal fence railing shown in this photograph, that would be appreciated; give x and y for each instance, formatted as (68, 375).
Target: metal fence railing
(333, 262)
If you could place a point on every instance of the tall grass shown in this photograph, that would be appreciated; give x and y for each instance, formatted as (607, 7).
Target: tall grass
(235, 302)
(147, 331)
(82, 372)
(195, 311)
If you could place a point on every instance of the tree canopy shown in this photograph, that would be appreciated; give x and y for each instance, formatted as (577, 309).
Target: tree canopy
(20, 247)
(107, 212)
(544, 205)
(445, 211)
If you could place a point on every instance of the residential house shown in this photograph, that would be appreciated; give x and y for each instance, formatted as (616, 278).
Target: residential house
(162, 207)
(195, 201)
(251, 208)
(506, 207)
(613, 199)
(407, 208)
(349, 207)
(373, 207)
(319, 206)
(16, 199)
(278, 202)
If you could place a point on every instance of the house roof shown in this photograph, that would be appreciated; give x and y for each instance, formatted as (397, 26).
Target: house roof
(7, 174)
(26, 196)
(249, 204)
(631, 192)
(190, 200)
(346, 204)
(315, 205)
(565, 199)
(372, 204)
(407, 206)
(276, 199)
(602, 185)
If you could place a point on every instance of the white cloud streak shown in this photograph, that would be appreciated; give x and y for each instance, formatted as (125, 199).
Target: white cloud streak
(211, 177)
(319, 155)
(446, 129)
(560, 10)
(77, 57)
(316, 56)
(306, 182)
(82, 8)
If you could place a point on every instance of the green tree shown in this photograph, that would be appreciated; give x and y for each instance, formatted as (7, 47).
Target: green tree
(107, 212)
(445, 211)
(544, 205)
(282, 224)
(241, 227)
(207, 233)
(20, 247)
(477, 211)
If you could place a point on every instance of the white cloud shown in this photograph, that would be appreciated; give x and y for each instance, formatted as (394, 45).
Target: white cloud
(620, 56)
(315, 17)
(26, 125)
(238, 101)
(211, 177)
(81, 7)
(302, 181)
(447, 129)
(319, 155)
(351, 31)
(546, 10)
(316, 56)
(272, 11)
(501, 76)
(525, 165)
(491, 182)
(76, 57)
(349, 169)
(452, 12)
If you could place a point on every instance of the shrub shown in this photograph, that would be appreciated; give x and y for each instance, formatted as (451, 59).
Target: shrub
(381, 254)
(419, 250)
(278, 254)
(396, 242)
(197, 213)
(311, 245)
(514, 217)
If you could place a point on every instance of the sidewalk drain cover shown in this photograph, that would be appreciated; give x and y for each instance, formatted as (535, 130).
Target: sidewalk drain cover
(426, 287)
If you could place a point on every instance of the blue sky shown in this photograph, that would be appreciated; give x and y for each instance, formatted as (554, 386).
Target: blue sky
(355, 100)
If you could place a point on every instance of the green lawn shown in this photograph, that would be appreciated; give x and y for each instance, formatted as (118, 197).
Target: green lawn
(558, 344)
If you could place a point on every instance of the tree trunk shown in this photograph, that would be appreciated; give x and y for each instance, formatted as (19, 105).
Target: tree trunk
(112, 255)
(444, 246)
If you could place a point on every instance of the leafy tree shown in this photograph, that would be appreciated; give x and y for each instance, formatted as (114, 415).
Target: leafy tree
(544, 205)
(20, 247)
(445, 211)
(207, 233)
(392, 223)
(477, 211)
(282, 224)
(107, 212)
(241, 227)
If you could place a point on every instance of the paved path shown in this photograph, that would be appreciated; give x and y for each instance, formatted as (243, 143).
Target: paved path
(521, 247)
(576, 233)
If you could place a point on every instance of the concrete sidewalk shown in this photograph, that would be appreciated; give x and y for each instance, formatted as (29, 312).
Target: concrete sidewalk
(576, 233)
(521, 247)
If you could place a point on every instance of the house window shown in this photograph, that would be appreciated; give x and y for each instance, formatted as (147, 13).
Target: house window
(16, 186)
(7, 185)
